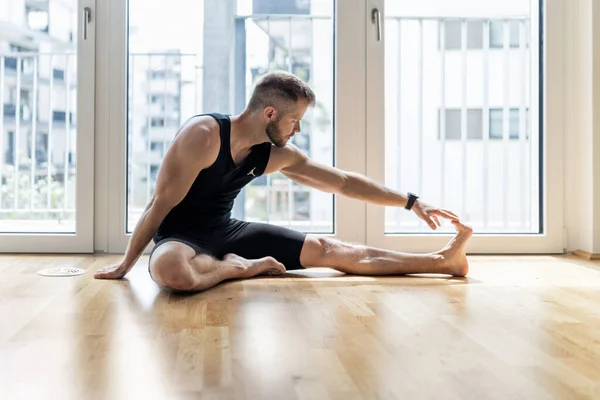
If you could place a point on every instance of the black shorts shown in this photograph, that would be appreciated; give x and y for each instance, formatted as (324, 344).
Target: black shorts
(250, 240)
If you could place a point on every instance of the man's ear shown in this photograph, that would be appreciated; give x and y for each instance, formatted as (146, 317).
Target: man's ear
(270, 113)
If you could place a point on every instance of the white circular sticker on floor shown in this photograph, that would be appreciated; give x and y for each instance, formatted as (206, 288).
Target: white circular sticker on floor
(62, 272)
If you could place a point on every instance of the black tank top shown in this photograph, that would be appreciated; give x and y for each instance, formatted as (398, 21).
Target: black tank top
(210, 199)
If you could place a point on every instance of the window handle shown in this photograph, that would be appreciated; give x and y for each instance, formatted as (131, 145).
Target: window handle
(87, 17)
(376, 19)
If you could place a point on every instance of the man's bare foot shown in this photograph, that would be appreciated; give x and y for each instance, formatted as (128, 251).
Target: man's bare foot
(261, 266)
(454, 258)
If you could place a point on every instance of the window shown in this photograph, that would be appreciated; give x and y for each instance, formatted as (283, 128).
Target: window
(157, 75)
(10, 63)
(497, 34)
(453, 124)
(474, 124)
(474, 35)
(10, 148)
(153, 172)
(41, 148)
(453, 35)
(59, 116)
(514, 124)
(157, 122)
(155, 146)
(496, 123)
(58, 74)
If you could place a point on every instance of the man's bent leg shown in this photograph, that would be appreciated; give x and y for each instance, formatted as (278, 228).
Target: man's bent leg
(364, 260)
(176, 266)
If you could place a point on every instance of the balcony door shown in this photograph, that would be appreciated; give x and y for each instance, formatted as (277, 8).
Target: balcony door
(461, 111)
(47, 52)
(170, 63)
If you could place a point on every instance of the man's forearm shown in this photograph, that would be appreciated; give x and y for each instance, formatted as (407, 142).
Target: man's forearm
(142, 234)
(362, 188)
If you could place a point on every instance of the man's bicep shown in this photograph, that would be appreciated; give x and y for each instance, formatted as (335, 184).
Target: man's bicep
(280, 158)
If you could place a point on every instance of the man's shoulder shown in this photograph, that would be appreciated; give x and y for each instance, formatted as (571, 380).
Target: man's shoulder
(199, 133)
(205, 124)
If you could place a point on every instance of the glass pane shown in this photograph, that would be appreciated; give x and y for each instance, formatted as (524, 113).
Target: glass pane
(195, 64)
(38, 124)
(454, 117)
(496, 123)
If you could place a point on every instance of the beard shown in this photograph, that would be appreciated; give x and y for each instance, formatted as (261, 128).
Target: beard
(274, 134)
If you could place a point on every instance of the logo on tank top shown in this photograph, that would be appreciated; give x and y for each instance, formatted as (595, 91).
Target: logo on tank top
(251, 172)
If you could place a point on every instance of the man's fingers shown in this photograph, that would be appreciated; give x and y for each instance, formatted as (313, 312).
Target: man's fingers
(107, 273)
(103, 274)
(452, 214)
(447, 214)
(437, 221)
(430, 223)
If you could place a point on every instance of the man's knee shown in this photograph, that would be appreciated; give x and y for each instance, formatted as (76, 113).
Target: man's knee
(171, 269)
(319, 251)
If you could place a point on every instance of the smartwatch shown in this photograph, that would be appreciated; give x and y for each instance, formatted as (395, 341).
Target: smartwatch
(411, 200)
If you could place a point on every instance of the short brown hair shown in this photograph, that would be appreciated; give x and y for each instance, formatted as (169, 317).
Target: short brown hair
(280, 90)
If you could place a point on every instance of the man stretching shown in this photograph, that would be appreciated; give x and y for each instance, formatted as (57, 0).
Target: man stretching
(213, 156)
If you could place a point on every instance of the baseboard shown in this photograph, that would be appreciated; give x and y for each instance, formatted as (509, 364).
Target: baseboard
(586, 255)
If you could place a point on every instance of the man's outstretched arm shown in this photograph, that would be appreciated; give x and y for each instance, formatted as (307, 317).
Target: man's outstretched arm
(300, 168)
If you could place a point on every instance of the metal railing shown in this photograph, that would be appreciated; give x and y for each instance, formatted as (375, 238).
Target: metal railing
(460, 49)
(37, 182)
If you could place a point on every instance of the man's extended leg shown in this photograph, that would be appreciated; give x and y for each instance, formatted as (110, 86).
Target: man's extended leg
(364, 260)
(175, 265)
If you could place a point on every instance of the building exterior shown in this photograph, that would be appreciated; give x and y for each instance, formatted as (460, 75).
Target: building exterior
(38, 80)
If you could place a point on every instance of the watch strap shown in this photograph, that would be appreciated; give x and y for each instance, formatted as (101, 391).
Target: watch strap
(411, 200)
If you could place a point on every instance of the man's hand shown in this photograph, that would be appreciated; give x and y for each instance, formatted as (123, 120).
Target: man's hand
(117, 271)
(430, 214)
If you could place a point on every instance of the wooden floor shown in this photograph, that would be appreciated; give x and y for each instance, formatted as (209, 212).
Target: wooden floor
(516, 328)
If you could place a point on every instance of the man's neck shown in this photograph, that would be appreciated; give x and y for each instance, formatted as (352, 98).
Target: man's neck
(246, 131)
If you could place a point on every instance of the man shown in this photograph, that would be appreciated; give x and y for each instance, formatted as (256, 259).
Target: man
(198, 244)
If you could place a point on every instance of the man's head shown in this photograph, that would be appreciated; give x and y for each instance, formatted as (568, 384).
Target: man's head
(281, 99)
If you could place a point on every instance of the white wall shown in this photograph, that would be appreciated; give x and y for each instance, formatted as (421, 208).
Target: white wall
(582, 125)
(12, 11)
(596, 133)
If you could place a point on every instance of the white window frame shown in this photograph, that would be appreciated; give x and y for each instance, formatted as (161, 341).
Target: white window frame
(82, 241)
